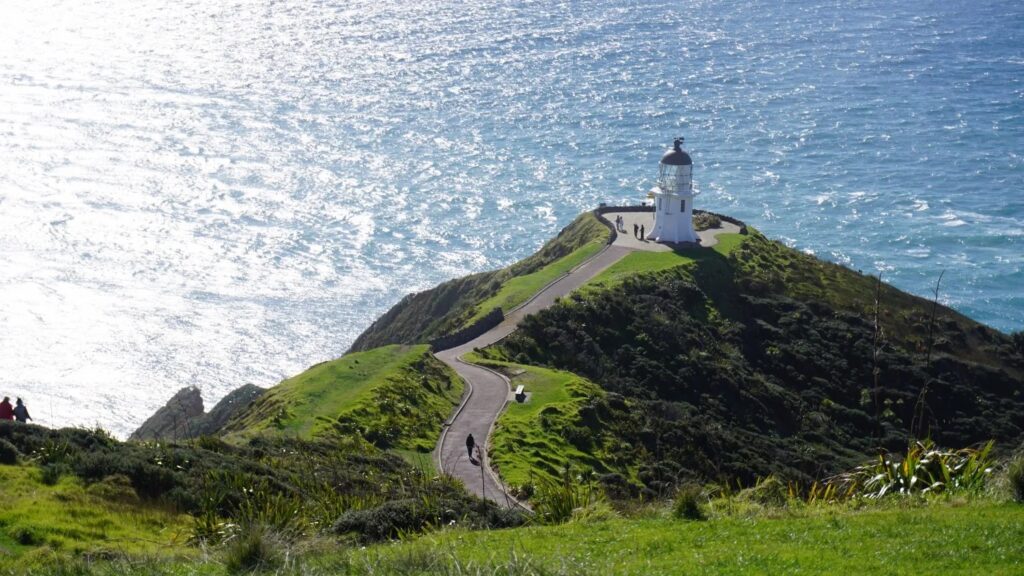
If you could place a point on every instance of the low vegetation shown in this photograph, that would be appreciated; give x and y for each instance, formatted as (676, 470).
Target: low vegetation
(766, 528)
(211, 493)
(66, 516)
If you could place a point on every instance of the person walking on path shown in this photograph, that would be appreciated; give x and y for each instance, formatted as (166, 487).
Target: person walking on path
(635, 228)
(6, 412)
(470, 442)
(641, 231)
(21, 412)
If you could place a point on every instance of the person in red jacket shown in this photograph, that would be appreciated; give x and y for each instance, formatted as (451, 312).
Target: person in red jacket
(6, 411)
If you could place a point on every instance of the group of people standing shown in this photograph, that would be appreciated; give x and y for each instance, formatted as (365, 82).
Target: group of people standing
(18, 412)
(638, 230)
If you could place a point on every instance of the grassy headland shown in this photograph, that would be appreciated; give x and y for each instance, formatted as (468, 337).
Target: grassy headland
(655, 392)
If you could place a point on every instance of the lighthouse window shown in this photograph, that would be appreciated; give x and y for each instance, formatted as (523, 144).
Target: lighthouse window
(682, 205)
(659, 204)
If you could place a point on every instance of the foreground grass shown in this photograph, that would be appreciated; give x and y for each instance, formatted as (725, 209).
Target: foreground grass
(934, 539)
(40, 521)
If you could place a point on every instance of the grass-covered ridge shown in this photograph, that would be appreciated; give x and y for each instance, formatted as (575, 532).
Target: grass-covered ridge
(393, 396)
(752, 359)
(452, 305)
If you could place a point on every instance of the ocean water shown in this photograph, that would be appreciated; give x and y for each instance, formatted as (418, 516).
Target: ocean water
(214, 193)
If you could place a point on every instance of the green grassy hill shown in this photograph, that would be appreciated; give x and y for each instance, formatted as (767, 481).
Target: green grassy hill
(393, 396)
(753, 359)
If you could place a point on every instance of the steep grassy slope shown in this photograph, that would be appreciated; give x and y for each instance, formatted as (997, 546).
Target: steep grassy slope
(755, 359)
(394, 397)
(444, 309)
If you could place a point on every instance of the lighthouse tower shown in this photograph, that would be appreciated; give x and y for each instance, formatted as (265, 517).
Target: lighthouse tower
(673, 197)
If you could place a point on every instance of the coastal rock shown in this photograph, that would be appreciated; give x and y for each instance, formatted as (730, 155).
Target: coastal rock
(172, 421)
(183, 416)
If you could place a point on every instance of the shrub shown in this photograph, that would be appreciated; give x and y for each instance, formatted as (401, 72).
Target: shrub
(1016, 477)
(396, 518)
(8, 453)
(51, 473)
(256, 547)
(388, 520)
(556, 500)
(115, 488)
(705, 221)
(768, 491)
(924, 469)
(688, 503)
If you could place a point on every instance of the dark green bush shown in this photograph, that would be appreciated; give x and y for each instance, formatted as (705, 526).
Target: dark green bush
(398, 517)
(390, 520)
(705, 221)
(51, 473)
(8, 453)
(688, 503)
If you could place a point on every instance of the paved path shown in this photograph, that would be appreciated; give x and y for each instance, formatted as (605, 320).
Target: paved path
(488, 391)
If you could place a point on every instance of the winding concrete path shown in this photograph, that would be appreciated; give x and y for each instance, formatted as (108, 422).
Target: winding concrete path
(488, 391)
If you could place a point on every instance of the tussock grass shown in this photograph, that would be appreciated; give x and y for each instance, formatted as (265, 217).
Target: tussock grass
(1015, 475)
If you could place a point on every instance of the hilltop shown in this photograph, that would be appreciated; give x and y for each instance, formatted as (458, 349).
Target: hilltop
(733, 363)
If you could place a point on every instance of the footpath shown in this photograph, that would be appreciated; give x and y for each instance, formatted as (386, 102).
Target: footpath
(487, 391)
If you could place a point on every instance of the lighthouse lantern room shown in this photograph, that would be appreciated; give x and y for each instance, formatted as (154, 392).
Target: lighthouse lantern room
(673, 197)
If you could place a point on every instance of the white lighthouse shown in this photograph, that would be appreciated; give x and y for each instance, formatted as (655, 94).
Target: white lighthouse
(673, 197)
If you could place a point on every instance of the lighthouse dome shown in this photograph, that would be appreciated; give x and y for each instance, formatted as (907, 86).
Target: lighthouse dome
(677, 156)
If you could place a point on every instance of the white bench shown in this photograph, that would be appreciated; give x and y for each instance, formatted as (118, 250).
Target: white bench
(520, 394)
